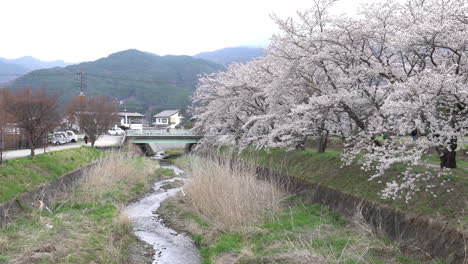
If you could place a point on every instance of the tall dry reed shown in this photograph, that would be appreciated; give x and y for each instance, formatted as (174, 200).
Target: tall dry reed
(117, 168)
(228, 194)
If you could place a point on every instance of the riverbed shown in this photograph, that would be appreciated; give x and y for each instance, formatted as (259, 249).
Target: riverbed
(170, 246)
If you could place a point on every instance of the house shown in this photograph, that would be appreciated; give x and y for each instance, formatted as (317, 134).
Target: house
(167, 119)
(130, 120)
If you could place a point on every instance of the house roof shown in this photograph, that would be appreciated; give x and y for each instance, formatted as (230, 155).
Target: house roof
(131, 114)
(167, 113)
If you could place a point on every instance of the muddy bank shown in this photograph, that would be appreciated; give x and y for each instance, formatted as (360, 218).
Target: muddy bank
(171, 212)
(140, 252)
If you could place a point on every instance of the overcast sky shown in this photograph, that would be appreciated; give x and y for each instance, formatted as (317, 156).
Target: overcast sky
(86, 30)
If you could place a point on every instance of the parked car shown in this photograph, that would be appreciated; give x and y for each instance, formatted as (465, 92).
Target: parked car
(59, 138)
(115, 131)
(71, 136)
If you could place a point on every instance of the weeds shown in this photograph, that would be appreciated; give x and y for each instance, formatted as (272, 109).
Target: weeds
(24, 174)
(228, 195)
(290, 231)
(119, 168)
(88, 226)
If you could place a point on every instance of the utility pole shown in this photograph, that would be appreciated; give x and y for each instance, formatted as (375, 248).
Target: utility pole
(81, 83)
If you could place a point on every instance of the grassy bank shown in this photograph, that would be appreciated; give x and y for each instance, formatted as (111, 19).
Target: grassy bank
(297, 233)
(327, 169)
(173, 154)
(88, 225)
(24, 174)
(286, 230)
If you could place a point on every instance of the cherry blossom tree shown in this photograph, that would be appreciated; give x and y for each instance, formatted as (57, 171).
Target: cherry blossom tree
(393, 69)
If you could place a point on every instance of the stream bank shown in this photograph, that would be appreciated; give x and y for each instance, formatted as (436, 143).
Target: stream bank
(169, 246)
(89, 217)
(300, 232)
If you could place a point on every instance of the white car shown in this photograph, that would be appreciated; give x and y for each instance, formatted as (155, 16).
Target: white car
(59, 138)
(71, 136)
(116, 131)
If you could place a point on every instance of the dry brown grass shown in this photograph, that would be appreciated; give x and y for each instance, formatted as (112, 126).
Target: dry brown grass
(82, 233)
(116, 168)
(4, 243)
(227, 193)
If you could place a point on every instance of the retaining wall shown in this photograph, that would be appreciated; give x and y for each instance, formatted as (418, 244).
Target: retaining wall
(46, 192)
(415, 232)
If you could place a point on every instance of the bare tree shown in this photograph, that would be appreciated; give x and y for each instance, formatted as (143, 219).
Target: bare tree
(94, 114)
(3, 122)
(33, 111)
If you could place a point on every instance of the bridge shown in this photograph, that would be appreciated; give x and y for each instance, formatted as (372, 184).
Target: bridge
(153, 140)
(186, 136)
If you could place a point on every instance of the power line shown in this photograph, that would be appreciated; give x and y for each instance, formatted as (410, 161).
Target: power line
(82, 74)
(33, 75)
(136, 80)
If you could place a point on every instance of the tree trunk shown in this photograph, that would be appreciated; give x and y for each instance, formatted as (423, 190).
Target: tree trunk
(448, 159)
(448, 156)
(1, 146)
(32, 147)
(92, 139)
(323, 141)
(301, 145)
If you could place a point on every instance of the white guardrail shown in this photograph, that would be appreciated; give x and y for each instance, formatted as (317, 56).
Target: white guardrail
(160, 132)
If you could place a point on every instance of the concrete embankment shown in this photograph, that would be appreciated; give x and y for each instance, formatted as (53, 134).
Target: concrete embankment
(44, 193)
(416, 233)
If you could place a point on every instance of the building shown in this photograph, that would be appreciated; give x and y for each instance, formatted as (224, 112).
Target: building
(130, 120)
(167, 119)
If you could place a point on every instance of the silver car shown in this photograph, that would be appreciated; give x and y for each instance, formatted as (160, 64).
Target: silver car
(59, 138)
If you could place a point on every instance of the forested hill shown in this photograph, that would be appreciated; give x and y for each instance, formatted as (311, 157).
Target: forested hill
(229, 55)
(32, 63)
(115, 76)
(9, 68)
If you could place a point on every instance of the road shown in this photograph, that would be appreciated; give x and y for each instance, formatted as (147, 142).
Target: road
(103, 141)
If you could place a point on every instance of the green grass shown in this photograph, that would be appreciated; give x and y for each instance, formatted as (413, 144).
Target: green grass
(196, 218)
(327, 169)
(173, 154)
(462, 164)
(24, 174)
(95, 227)
(298, 226)
(91, 226)
(165, 172)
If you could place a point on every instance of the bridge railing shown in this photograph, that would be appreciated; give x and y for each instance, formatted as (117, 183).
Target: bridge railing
(160, 132)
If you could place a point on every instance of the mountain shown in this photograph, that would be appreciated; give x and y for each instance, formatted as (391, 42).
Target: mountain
(32, 63)
(125, 76)
(229, 55)
(9, 68)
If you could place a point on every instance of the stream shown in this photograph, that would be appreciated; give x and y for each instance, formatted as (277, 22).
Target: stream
(170, 246)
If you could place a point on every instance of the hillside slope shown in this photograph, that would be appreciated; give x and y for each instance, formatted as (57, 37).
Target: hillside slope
(32, 63)
(229, 55)
(124, 75)
(9, 68)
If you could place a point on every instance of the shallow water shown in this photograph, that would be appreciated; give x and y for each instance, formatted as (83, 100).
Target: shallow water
(170, 247)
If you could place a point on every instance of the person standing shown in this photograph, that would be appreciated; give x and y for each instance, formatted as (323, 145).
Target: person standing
(414, 134)
(85, 139)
